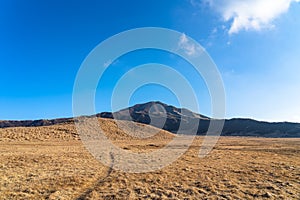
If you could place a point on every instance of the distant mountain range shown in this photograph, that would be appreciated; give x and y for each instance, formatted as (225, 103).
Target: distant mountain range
(169, 118)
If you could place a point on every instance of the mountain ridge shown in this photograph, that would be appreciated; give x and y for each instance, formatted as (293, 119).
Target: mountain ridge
(155, 113)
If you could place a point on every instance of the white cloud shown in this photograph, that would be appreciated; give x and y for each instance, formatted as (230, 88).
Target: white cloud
(187, 46)
(107, 63)
(250, 14)
(214, 31)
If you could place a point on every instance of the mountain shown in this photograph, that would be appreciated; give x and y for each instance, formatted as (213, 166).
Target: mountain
(173, 116)
(169, 118)
(159, 115)
(33, 123)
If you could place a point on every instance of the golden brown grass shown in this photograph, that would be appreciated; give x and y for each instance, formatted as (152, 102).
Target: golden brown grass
(51, 163)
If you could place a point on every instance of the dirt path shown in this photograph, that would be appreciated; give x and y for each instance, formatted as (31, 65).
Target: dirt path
(99, 182)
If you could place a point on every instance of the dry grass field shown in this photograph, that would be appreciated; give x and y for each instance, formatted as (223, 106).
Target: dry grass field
(51, 163)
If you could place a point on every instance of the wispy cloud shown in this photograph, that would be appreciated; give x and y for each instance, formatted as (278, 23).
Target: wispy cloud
(249, 14)
(107, 63)
(111, 62)
(188, 46)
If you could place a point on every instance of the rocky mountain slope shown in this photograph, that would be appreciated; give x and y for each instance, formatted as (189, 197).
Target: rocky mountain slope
(155, 112)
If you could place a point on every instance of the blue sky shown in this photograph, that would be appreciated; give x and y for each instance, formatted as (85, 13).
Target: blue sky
(255, 45)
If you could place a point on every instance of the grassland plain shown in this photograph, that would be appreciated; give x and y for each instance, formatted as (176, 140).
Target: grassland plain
(50, 162)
